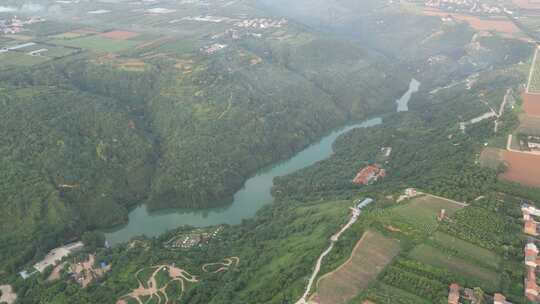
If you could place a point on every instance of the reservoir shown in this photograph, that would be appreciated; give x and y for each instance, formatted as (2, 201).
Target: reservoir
(247, 201)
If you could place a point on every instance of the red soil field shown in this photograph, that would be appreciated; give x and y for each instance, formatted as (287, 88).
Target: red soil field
(502, 25)
(522, 168)
(531, 104)
(119, 35)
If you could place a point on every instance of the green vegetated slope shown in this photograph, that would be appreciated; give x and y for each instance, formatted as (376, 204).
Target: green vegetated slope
(278, 248)
(116, 138)
(68, 162)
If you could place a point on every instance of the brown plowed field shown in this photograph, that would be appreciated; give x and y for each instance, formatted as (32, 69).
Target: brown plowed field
(502, 25)
(522, 168)
(531, 104)
(119, 35)
(370, 256)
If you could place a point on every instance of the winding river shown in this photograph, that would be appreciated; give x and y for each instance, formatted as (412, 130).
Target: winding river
(248, 200)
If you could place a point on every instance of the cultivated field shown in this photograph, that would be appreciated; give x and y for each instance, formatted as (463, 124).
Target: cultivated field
(10, 59)
(522, 168)
(531, 104)
(501, 25)
(420, 214)
(466, 249)
(369, 257)
(435, 257)
(98, 43)
(529, 125)
(119, 35)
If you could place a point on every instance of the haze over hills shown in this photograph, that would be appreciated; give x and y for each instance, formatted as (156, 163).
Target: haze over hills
(166, 113)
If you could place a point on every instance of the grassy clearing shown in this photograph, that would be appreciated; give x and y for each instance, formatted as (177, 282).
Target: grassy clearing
(420, 214)
(370, 256)
(491, 158)
(466, 249)
(98, 43)
(435, 257)
(10, 59)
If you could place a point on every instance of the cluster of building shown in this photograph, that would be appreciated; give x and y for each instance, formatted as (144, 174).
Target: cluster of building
(213, 48)
(85, 272)
(369, 174)
(16, 25)
(186, 241)
(473, 295)
(465, 6)
(531, 252)
(261, 23)
(533, 143)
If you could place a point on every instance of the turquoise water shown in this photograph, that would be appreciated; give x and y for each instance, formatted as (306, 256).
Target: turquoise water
(247, 201)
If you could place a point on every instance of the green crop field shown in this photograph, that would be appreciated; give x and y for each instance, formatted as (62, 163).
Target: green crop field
(432, 256)
(98, 43)
(466, 249)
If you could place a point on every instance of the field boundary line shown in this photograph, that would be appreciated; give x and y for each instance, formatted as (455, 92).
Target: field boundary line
(364, 236)
(510, 149)
(446, 199)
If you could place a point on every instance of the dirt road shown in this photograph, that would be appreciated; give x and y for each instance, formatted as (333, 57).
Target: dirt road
(354, 217)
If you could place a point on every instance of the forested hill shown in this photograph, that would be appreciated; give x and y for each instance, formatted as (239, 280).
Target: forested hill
(85, 141)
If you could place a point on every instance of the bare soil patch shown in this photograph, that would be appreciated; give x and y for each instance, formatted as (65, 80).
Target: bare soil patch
(8, 296)
(370, 256)
(531, 104)
(119, 35)
(522, 168)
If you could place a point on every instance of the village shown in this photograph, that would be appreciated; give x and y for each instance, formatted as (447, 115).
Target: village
(16, 25)
(466, 6)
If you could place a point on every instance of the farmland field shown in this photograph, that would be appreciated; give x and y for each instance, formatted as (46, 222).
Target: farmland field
(531, 104)
(501, 25)
(369, 257)
(435, 257)
(419, 214)
(466, 249)
(10, 59)
(98, 43)
(119, 35)
(529, 125)
(522, 168)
